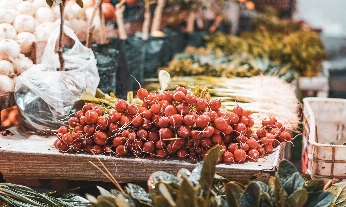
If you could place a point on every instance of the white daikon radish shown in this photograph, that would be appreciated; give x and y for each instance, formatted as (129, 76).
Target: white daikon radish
(25, 40)
(8, 30)
(44, 14)
(6, 16)
(21, 64)
(43, 31)
(6, 68)
(9, 48)
(7, 84)
(25, 7)
(24, 23)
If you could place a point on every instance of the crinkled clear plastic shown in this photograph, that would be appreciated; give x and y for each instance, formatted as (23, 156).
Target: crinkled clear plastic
(45, 96)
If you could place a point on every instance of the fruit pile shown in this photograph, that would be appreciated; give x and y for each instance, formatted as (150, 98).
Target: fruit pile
(171, 124)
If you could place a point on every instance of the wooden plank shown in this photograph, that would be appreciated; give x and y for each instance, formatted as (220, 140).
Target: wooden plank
(34, 157)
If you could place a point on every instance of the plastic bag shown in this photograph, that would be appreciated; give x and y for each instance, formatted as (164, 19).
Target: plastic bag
(107, 64)
(196, 38)
(44, 95)
(135, 58)
(154, 55)
(123, 78)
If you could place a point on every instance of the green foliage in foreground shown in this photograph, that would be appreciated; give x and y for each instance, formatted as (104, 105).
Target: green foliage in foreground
(203, 188)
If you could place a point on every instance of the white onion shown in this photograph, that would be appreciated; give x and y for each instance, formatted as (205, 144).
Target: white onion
(8, 30)
(2, 35)
(6, 68)
(24, 23)
(96, 22)
(8, 4)
(25, 7)
(9, 48)
(39, 3)
(21, 64)
(14, 12)
(43, 31)
(79, 25)
(7, 84)
(68, 13)
(66, 22)
(25, 40)
(77, 11)
(56, 11)
(6, 16)
(44, 14)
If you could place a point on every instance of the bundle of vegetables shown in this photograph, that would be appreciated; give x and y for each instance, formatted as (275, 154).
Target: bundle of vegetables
(204, 61)
(170, 124)
(203, 188)
(18, 196)
(264, 96)
(303, 50)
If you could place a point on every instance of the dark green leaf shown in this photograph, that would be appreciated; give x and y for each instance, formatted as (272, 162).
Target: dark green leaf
(295, 182)
(264, 187)
(319, 199)
(184, 172)
(338, 191)
(49, 2)
(306, 177)
(187, 196)
(218, 184)
(80, 3)
(162, 176)
(285, 171)
(275, 186)
(265, 200)
(105, 201)
(233, 192)
(120, 198)
(298, 198)
(282, 198)
(251, 196)
(160, 201)
(266, 194)
(196, 174)
(208, 169)
(138, 194)
(315, 185)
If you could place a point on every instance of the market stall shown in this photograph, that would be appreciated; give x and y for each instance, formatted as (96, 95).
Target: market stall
(161, 99)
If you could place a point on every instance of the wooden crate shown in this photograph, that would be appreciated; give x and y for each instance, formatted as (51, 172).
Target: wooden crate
(315, 86)
(324, 123)
(34, 157)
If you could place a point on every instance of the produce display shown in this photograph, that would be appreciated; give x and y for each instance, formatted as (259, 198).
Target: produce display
(209, 62)
(226, 103)
(171, 124)
(274, 47)
(256, 94)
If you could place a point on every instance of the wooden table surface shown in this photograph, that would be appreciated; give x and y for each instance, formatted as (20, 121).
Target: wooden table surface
(34, 157)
